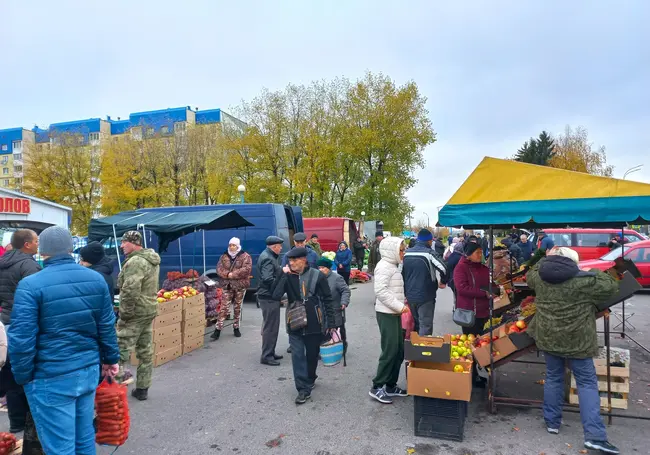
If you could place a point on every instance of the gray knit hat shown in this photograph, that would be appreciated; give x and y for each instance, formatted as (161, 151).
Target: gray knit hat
(55, 241)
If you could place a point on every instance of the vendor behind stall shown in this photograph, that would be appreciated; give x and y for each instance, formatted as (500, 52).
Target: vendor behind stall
(564, 327)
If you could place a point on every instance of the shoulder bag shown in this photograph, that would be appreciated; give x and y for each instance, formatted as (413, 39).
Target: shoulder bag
(462, 317)
(297, 314)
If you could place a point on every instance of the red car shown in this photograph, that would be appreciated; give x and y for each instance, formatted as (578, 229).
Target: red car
(589, 243)
(637, 252)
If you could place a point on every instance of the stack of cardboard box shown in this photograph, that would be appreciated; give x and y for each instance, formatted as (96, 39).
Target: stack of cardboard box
(193, 324)
(440, 384)
(178, 329)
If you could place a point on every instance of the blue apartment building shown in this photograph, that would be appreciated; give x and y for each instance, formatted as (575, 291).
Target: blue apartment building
(14, 142)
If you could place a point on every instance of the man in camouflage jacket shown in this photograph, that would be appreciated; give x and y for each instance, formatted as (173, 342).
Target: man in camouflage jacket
(138, 284)
(564, 327)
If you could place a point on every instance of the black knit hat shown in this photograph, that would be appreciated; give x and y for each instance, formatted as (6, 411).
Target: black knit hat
(379, 234)
(470, 247)
(92, 253)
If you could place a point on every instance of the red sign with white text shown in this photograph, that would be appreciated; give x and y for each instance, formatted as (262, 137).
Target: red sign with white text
(15, 205)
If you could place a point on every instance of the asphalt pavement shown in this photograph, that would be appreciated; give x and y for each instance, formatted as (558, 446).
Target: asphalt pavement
(220, 399)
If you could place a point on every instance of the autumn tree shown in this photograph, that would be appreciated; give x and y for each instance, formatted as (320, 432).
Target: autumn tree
(537, 151)
(66, 171)
(575, 152)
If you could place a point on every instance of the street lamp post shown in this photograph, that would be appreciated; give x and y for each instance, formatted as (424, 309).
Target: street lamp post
(241, 189)
(363, 218)
(428, 221)
(631, 170)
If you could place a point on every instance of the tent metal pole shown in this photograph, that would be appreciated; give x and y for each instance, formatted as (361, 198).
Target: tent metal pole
(492, 384)
(203, 232)
(180, 254)
(117, 249)
(623, 257)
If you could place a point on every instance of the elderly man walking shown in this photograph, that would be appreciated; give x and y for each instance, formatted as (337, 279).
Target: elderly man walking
(269, 269)
(138, 284)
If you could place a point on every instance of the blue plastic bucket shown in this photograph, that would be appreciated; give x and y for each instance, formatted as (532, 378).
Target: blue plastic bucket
(331, 354)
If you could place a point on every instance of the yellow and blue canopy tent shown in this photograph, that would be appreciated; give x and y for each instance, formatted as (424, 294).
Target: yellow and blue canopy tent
(504, 193)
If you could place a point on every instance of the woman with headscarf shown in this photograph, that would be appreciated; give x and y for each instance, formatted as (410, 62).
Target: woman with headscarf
(340, 296)
(234, 270)
(343, 261)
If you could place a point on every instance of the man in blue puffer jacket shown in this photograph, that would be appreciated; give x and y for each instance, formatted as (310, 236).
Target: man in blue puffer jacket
(62, 328)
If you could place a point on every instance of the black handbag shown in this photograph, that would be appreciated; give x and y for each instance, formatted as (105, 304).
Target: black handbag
(296, 312)
(462, 317)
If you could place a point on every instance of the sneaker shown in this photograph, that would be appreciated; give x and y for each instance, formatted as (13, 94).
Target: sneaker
(603, 446)
(396, 392)
(303, 397)
(237, 332)
(380, 395)
(553, 430)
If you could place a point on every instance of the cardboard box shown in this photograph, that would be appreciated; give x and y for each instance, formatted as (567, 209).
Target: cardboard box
(162, 357)
(428, 349)
(502, 347)
(167, 343)
(627, 286)
(167, 331)
(173, 306)
(190, 324)
(438, 380)
(194, 301)
(193, 345)
(167, 319)
(193, 333)
(193, 312)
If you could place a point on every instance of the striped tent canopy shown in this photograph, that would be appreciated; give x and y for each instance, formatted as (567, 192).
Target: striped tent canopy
(504, 193)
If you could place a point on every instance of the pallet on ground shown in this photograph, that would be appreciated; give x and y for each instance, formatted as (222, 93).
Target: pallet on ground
(619, 385)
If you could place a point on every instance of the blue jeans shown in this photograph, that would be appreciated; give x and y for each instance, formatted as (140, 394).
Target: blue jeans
(587, 382)
(304, 359)
(63, 408)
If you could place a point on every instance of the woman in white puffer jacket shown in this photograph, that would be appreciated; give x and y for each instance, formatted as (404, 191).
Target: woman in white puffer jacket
(389, 305)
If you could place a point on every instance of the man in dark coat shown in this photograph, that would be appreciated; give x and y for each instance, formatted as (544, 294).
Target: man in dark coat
(308, 287)
(438, 247)
(421, 269)
(375, 256)
(94, 257)
(269, 269)
(359, 250)
(300, 241)
(15, 265)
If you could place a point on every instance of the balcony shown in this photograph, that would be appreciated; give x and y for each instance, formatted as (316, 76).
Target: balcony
(18, 174)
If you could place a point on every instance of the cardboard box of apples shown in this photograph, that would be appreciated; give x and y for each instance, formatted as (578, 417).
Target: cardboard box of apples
(506, 339)
(173, 301)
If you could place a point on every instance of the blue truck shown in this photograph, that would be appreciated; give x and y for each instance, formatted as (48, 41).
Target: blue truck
(188, 251)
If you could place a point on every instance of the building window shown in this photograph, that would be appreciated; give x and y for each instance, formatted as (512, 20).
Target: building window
(150, 132)
(164, 130)
(136, 132)
(93, 137)
(5, 147)
(18, 168)
(18, 156)
(179, 127)
(18, 181)
(5, 170)
(5, 182)
(5, 160)
(17, 145)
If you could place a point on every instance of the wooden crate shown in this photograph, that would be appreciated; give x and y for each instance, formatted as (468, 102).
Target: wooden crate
(620, 384)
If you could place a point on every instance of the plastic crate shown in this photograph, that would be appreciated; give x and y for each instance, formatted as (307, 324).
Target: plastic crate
(437, 407)
(440, 419)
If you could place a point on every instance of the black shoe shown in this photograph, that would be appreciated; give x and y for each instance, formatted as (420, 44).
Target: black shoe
(237, 333)
(272, 363)
(303, 397)
(215, 335)
(16, 430)
(396, 392)
(603, 446)
(140, 394)
(380, 395)
(278, 357)
(289, 350)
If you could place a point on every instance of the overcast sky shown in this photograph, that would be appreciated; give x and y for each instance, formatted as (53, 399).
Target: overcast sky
(495, 72)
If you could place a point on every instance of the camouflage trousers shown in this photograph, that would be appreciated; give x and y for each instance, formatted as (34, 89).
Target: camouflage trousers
(137, 335)
(229, 297)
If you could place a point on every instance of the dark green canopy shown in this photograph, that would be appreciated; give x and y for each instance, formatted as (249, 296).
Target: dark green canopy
(167, 225)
